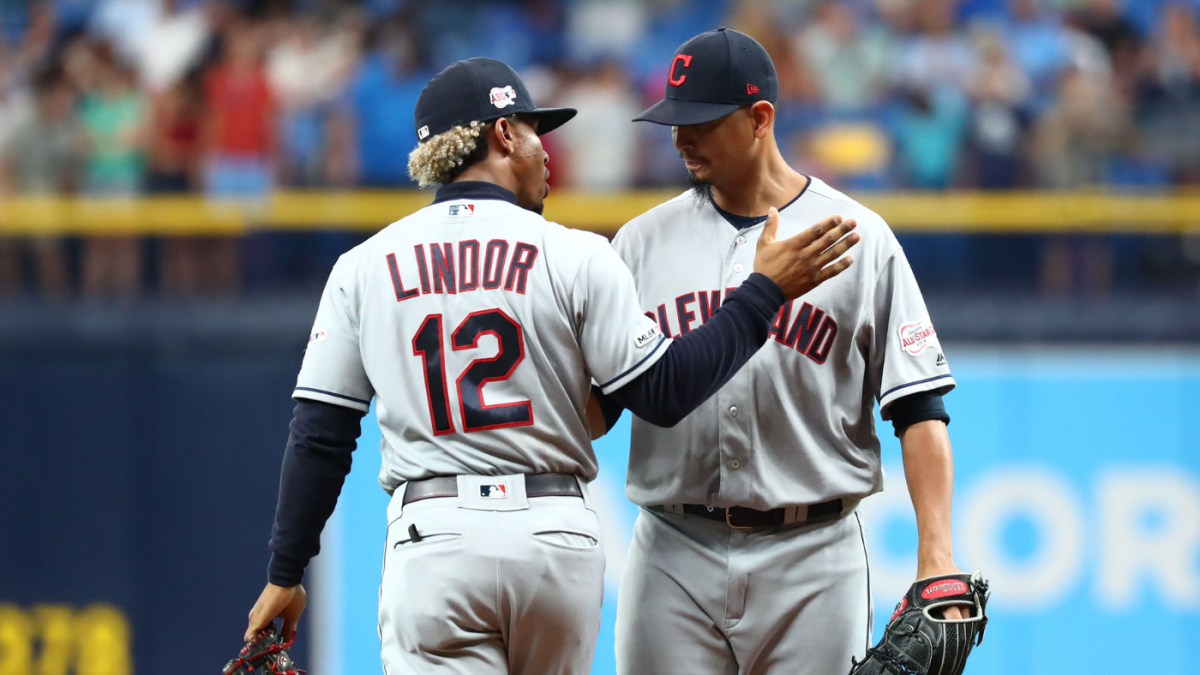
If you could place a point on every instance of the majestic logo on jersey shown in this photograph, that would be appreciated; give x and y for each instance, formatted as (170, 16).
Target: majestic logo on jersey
(645, 338)
(317, 336)
(493, 492)
(941, 360)
(944, 589)
(915, 337)
(462, 209)
(503, 97)
(811, 333)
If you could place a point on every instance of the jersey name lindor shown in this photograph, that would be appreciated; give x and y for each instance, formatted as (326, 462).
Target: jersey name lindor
(487, 266)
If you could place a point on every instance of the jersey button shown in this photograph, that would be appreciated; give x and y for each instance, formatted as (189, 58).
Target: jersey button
(734, 464)
(733, 411)
(741, 240)
(737, 267)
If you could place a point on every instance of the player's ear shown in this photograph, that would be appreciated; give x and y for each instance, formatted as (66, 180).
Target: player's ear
(505, 135)
(763, 115)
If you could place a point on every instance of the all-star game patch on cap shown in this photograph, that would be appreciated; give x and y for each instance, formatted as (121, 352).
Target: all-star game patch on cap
(712, 75)
(478, 90)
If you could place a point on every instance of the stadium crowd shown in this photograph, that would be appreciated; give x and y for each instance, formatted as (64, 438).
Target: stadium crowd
(235, 98)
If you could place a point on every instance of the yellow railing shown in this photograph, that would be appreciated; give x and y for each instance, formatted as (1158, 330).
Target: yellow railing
(367, 211)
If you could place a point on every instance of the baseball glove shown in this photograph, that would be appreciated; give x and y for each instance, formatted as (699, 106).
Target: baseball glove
(918, 641)
(266, 655)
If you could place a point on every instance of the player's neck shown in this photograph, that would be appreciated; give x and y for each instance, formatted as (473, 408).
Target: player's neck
(486, 172)
(769, 182)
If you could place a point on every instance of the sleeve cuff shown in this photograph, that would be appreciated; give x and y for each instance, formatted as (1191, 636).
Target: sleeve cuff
(656, 353)
(313, 394)
(942, 384)
(285, 571)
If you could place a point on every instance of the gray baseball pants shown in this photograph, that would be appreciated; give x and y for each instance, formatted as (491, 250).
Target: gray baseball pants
(507, 586)
(700, 597)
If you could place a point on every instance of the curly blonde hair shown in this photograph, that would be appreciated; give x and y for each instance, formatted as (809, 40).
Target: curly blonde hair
(442, 158)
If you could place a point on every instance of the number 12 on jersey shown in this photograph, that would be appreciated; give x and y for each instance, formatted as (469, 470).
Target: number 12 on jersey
(476, 415)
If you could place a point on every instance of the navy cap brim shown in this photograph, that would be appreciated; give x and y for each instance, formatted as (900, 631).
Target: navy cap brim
(550, 119)
(675, 113)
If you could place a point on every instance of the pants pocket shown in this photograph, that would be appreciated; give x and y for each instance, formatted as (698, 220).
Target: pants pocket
(426, 539)
(567, 539)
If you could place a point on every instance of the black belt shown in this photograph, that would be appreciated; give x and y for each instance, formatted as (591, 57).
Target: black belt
(741, 518)
(536, 485)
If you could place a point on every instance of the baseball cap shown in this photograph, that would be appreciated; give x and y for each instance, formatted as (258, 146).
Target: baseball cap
(712, 75)
(478, 90)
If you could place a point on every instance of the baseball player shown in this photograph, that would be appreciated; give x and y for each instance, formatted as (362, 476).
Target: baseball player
(477, 327)
(748, 555)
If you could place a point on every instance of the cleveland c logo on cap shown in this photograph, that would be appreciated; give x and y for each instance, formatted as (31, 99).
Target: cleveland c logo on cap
(671, 79)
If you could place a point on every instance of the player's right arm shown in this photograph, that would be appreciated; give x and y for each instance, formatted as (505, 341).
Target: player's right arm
(332, 395)
(674, 377)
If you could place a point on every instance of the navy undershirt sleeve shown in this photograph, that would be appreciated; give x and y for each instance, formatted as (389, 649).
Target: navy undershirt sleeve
(919, 407)
(701, 361)
(318, 455)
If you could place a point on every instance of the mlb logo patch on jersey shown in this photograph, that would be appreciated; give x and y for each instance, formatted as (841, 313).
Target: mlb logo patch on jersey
(915, 337)
(493, 492)
(317, 336)
(645, 338)
(462, 209)
(503, 97)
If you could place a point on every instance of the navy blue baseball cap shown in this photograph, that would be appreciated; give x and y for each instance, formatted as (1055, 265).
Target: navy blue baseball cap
(478, 90)
(712, 75)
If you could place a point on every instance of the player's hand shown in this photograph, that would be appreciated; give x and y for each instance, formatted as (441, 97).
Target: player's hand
(277, 602)
(803, 262)
(924, 571)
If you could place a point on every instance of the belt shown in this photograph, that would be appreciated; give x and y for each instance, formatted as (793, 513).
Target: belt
(536, 485)
(742, 518)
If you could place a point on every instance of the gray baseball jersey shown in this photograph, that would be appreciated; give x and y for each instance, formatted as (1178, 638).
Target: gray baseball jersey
(796, 425)
(478, 327)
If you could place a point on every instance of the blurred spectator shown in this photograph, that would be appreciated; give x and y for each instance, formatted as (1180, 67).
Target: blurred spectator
(929, 135)
(43, 155)
(937, 56)
(849, 61)
(174, 138)
(1171, 94)
(240, 136)
(624, 22)
(308, 70)
(1072, 141)
(1104, 20)
(382, 96)
(1038, 42)
(600, 144)
(998, 89)
(114, 114)
(172, 45)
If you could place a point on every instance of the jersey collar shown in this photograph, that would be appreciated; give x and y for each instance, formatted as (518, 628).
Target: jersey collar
(742, 222)
(473, 189)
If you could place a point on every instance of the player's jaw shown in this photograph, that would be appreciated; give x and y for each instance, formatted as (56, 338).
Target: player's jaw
(529, 166)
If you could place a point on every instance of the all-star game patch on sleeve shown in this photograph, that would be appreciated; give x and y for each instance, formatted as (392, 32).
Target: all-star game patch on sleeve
(618, 341)
(333, 370)
(907, 357)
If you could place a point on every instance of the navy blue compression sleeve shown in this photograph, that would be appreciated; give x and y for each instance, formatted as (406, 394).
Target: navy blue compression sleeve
(315, 465)
(701, 361)
(919, 407)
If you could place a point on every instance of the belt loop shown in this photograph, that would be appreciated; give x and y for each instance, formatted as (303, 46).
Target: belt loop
(677, 509)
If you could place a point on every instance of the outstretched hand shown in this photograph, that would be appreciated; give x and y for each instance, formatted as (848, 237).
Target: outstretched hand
(803, 262)
(277, 602)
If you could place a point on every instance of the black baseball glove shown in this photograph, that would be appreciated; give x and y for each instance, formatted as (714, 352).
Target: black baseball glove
(918, 641)
(266, 655)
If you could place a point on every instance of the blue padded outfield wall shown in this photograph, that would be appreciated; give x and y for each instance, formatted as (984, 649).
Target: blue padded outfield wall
(1077, 492)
